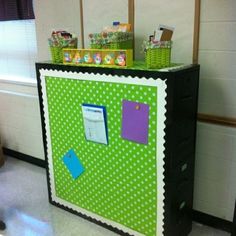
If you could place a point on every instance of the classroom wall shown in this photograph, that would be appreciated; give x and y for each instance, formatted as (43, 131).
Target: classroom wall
(217, 57)
(100, 13)
(215, 185)
(148, 15)
(54, 15)
(215, 175)
(180, 14)
(20, 124)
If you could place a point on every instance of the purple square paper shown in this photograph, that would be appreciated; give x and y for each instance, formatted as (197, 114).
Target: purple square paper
(135, 121)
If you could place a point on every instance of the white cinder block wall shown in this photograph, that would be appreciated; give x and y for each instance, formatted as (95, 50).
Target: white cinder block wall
(215, 177)
(20, 124)
(180, 14)
(100, 13)
(148, 15)
(54, 15)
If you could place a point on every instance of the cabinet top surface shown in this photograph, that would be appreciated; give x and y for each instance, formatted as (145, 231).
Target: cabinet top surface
(138, 69)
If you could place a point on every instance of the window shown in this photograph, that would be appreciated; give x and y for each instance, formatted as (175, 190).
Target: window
(18, 48)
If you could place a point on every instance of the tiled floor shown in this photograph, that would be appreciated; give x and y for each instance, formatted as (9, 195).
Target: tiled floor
(24, 207)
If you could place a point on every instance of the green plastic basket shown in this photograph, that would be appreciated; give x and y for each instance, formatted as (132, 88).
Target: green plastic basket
(158, 57)
(111, 40)
(57, 49)
(57, 55)
(114, 45)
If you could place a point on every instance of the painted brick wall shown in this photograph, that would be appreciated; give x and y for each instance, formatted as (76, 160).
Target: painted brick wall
(215, 185)
(20, 124)
(215, 178)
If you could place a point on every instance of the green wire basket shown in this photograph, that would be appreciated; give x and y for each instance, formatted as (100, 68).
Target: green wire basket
(111, 40)
(114, 45)
(57, 50)
(158, 55)
(56, 54)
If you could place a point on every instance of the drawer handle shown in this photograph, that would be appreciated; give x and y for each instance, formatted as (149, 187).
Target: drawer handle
(182, 205)
(186, 97)
(184, 167)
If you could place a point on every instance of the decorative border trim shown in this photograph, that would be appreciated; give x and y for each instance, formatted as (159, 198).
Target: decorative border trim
(161, 103)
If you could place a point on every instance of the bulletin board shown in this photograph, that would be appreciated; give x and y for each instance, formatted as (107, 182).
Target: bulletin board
(122, 185)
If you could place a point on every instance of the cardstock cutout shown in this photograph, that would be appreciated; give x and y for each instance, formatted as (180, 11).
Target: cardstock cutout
(95, 123)
(135, 121)
(73, 164)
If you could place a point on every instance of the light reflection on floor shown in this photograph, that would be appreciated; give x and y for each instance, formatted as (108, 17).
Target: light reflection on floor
(25, 208)
(31, 225)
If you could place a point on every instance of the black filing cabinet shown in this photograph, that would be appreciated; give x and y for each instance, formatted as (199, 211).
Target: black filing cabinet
(182, 100)
(180, 135)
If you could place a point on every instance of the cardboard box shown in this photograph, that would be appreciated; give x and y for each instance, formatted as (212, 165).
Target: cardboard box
(164, 33)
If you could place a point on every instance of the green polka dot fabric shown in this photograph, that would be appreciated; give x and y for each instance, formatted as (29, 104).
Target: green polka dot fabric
(119, 182)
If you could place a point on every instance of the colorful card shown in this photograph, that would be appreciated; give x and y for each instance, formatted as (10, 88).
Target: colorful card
(73, 164)
(135, 121)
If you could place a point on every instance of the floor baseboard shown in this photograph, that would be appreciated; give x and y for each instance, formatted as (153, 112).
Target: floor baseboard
(212, 221)
(233, 233)
(24, 157)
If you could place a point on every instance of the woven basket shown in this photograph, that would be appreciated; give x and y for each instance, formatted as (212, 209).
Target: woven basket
(114, 45)
(57, 51)
(157, 58)
(111, 40)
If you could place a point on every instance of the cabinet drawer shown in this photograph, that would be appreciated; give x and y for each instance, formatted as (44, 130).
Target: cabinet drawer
(182, 208)
(179, 207)
(184, 170)
(187, 89)
(183, 144)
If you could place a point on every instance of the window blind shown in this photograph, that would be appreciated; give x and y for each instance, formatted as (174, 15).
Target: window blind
(18, 49)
